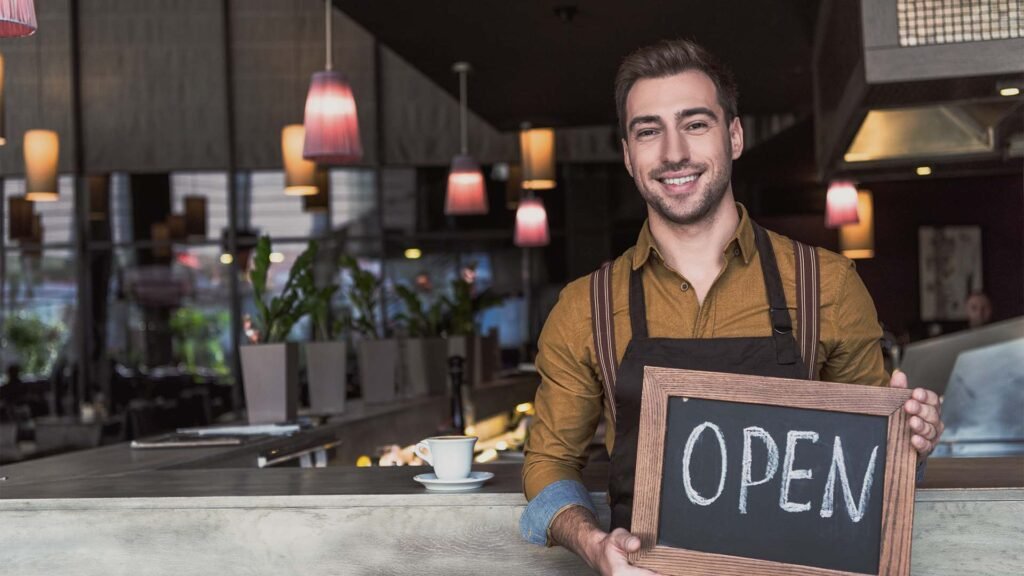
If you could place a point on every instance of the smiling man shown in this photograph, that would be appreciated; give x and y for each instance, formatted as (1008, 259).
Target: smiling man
(704, 288)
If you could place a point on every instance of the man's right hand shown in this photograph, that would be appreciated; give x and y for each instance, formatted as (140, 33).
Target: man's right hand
(607, 553)
(578, 530)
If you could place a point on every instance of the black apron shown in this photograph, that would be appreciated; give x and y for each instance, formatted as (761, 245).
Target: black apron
(776, 355)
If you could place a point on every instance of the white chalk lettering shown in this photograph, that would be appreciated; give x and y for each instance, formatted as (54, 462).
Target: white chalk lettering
(855, 510)
(770, 468)
(788, 474)
(688, 452)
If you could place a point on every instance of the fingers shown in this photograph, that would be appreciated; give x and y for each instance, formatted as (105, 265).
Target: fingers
(624, 540)
(923, 428)
(898, 379)
(925, 395)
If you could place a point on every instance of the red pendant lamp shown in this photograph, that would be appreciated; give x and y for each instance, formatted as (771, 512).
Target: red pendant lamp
(332, 126)
(467, 192)
(841, 204)
(17, 18)
(531, 224)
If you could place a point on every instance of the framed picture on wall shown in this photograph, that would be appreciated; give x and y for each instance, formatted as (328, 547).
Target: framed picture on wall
(950, 270)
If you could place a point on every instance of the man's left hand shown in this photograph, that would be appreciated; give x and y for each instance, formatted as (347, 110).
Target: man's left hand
(925, 410)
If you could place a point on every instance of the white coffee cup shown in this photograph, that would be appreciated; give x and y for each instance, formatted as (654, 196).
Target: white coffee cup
(451, 456)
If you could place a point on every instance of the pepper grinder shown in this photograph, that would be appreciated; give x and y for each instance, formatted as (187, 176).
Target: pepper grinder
(455, 364)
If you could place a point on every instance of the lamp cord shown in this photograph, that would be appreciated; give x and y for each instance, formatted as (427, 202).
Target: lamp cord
(462, 111)
(327, 7)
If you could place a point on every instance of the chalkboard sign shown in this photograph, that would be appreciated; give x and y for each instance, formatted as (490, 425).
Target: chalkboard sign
(743, 475)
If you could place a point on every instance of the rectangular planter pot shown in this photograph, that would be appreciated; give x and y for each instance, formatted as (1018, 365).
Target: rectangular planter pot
(378, 370)
(270, 373)
(326, 364)
(426, 367)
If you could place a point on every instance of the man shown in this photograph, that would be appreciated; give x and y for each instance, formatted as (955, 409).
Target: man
(979, 309)
(692, 293)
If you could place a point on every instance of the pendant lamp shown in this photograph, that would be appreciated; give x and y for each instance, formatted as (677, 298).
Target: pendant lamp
(332, 126)
(841, 204)
(20, 218)
(318, 202)
(3, 131)
(531, 224)
(42, 149)
(176, 227)
(299, 173)
(537, 146)
(195, 217)
(467, 192)
(857, 241)
(17, 18)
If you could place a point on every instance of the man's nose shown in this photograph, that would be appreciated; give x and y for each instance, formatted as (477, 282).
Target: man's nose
(675, 149)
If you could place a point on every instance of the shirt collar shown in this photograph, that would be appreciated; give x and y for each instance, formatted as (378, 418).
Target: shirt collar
(743, 239)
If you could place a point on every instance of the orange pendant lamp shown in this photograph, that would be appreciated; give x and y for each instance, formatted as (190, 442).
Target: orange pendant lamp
(42, 150)
(332, 125)
(17, 18)
(467, 191)
(299, 173)
(537, 146)
(841, 204)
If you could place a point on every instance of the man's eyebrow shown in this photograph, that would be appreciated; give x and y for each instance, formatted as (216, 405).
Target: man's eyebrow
(688, 112)
(650, 119)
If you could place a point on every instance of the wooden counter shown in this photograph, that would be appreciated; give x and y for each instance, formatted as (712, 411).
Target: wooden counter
(118, 511)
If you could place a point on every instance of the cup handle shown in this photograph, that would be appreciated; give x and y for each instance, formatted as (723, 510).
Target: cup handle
(423, 451)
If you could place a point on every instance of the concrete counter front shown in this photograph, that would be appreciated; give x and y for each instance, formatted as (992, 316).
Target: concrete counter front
(374, 521)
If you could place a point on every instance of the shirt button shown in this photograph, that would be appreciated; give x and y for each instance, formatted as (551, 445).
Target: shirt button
(735, 251)
(684, 286)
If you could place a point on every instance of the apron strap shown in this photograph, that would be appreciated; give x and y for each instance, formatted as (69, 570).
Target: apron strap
(603, 327)
(782, 326)
(808, 289)
(637, 304)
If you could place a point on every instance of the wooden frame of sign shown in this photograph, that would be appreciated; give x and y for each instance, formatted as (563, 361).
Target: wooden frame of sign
(660, 384)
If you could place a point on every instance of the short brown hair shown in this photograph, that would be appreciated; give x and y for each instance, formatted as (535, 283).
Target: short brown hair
(668, 58)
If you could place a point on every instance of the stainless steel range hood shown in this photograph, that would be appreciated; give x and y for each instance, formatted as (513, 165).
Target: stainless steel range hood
(897, 86)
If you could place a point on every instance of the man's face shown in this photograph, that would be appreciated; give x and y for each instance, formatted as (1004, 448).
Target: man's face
(679, 147)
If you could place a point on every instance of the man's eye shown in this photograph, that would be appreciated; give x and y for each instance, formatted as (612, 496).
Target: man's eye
(698, 126)
(646, 133)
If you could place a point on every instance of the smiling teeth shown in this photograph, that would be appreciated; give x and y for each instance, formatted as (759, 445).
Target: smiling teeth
(680, 181)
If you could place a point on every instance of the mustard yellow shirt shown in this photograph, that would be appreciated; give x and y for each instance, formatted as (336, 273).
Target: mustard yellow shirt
(571, 399)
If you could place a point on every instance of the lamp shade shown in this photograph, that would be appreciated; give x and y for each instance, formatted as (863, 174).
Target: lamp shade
(467, 193)
(195, 216)
(160, 233)
(99, 197)
(858, 240)
(318, 202)
(841, 204)
(176, 227)
(531, 224)
(19, 224)
(299, 173)
(332, 126)
(42, 149)
(17, 18)
(537, 146)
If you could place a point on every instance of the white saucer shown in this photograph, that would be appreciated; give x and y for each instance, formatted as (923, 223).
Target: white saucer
(475, 480)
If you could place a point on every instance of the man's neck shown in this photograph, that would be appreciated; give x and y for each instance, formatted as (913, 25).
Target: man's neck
(697, 250)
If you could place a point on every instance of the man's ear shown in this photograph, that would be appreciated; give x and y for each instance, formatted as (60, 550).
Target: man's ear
(625, 157)
(736, 137)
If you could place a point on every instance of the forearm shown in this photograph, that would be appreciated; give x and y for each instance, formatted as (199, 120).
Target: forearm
(577, 529)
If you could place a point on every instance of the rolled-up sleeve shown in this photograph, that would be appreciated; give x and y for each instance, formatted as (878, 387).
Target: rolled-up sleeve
(535, 523)
(569, 401)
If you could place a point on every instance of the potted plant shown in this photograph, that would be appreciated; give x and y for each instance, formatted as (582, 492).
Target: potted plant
(424, 351)
(326, 357)
(481, 354)
(270, 364)
(377, 356)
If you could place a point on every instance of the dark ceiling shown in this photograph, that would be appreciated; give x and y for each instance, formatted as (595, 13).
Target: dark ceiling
(553, 62)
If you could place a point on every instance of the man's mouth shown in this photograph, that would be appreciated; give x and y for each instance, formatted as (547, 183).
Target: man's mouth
(679, 180)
